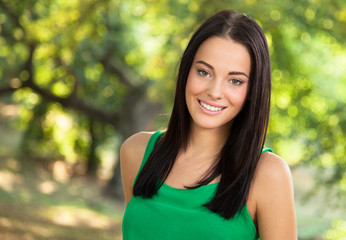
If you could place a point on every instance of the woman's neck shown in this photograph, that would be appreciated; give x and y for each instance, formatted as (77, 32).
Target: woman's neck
(206, 142)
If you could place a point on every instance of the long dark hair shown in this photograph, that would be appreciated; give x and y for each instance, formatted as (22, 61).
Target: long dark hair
(238, 158)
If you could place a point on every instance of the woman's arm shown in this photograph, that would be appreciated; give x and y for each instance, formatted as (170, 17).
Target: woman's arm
(274, 197)
(131, 156)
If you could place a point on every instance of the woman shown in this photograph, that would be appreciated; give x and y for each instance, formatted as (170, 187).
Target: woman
(208, 175)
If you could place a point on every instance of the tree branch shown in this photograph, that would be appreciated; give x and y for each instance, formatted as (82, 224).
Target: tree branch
(7, 89)
(71, 102)
(75, 76)
(77, 104)
(14, 18)
(7, 35)
(123, 72)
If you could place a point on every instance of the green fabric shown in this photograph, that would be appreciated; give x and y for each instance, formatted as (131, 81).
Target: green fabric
(178, 214)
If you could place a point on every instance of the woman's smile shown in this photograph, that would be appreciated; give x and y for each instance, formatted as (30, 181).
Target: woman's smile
(210, 108)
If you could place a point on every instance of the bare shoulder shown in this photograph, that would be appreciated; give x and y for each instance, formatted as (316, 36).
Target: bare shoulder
(271, 166)
(132, 150)
(131, 156)
(274, 198)
(272, 177)
(136, 144)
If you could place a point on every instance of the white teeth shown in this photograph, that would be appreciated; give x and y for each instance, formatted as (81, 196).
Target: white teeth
(210, 108)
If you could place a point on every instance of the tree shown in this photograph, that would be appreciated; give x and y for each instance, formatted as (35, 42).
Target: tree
(102, 69)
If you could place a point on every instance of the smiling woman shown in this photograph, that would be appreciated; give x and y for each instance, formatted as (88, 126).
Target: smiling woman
(208, 176)
(217, 83)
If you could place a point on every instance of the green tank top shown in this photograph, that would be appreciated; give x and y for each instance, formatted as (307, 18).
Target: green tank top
(175, 213)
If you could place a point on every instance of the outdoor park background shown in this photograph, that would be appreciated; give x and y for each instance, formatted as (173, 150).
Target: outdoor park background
(78, 77)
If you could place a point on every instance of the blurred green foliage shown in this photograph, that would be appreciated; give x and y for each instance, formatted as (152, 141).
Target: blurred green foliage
(68, 63)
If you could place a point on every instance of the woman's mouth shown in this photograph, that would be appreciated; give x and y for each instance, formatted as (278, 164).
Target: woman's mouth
(210, 107)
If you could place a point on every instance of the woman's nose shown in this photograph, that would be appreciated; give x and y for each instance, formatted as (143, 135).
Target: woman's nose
(215, 89)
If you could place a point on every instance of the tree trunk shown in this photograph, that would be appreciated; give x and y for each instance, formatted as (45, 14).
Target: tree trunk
(141, 118)
(93, 161)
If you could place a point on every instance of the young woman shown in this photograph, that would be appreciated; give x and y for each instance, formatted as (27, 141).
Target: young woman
(208, 176)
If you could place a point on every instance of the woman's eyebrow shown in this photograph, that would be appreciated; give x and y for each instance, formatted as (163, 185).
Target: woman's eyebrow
(230, 73)
(206, 64)
(238, 73)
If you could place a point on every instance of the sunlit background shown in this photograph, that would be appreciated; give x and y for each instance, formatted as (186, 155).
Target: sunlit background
(78, 77)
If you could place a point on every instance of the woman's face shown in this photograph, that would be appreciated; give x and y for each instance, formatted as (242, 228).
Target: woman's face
(217, 83)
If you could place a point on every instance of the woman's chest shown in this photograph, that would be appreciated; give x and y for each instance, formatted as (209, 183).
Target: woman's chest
(180, 214)
(188, 172)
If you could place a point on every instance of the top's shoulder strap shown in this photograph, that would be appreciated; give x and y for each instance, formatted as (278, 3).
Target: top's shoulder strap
(150, 146)
(265, 149)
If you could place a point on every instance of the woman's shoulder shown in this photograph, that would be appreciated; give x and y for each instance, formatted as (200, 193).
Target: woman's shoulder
(272, 166)
(131, 155)
(137, 139)
(273, 196)
(132, 152)
(134, 146)
(271, 175)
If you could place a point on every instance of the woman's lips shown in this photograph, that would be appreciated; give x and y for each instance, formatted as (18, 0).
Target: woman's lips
(210, 107)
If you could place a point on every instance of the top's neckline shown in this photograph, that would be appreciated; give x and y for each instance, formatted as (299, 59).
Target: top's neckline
(211, 185)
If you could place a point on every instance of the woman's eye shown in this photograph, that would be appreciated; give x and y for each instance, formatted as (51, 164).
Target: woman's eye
(235, 82)
(203, 73)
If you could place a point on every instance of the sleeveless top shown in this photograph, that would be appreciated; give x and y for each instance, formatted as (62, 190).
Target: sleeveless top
(174, 213)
